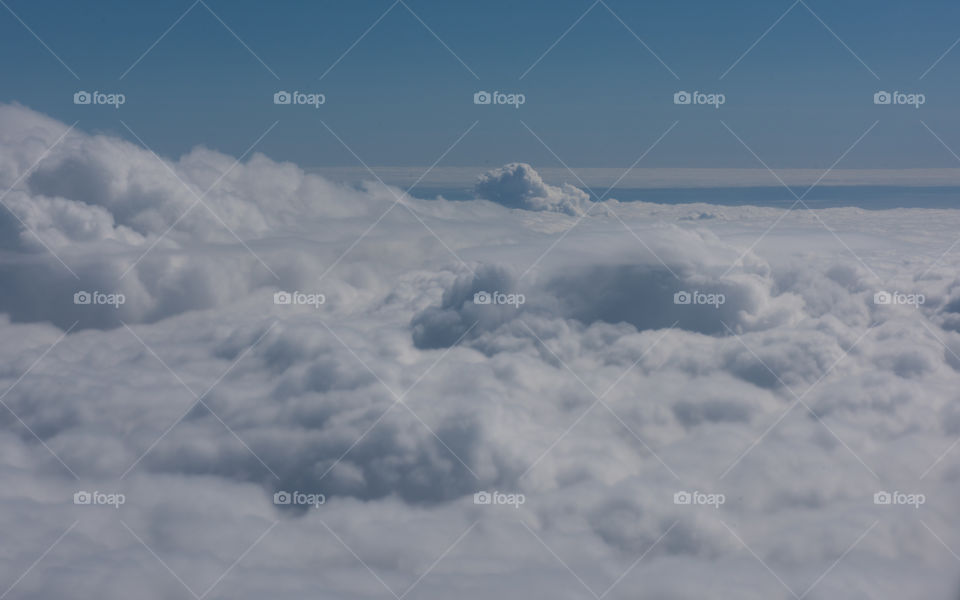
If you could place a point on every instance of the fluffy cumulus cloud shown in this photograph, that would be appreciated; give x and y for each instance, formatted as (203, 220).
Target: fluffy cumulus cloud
(518, 185)
(679, 403)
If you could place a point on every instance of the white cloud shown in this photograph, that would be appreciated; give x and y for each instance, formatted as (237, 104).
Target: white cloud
(518, 185)
(687, 408)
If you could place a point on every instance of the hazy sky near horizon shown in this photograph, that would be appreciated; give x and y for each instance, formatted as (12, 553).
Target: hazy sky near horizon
(598, 79)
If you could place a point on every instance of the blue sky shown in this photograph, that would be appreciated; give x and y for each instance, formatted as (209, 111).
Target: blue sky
(599, 98)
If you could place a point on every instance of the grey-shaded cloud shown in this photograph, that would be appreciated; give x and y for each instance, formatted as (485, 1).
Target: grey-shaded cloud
(598, 398)
(518, 185)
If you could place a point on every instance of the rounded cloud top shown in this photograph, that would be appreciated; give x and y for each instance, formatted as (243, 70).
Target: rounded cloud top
(518, 185)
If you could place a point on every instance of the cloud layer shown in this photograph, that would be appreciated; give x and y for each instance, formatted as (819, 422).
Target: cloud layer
(598, 398)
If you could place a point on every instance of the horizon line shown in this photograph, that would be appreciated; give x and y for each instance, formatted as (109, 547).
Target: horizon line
(658, 177)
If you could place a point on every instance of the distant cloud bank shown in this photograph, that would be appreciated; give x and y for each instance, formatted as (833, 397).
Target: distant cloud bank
(517, 185)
